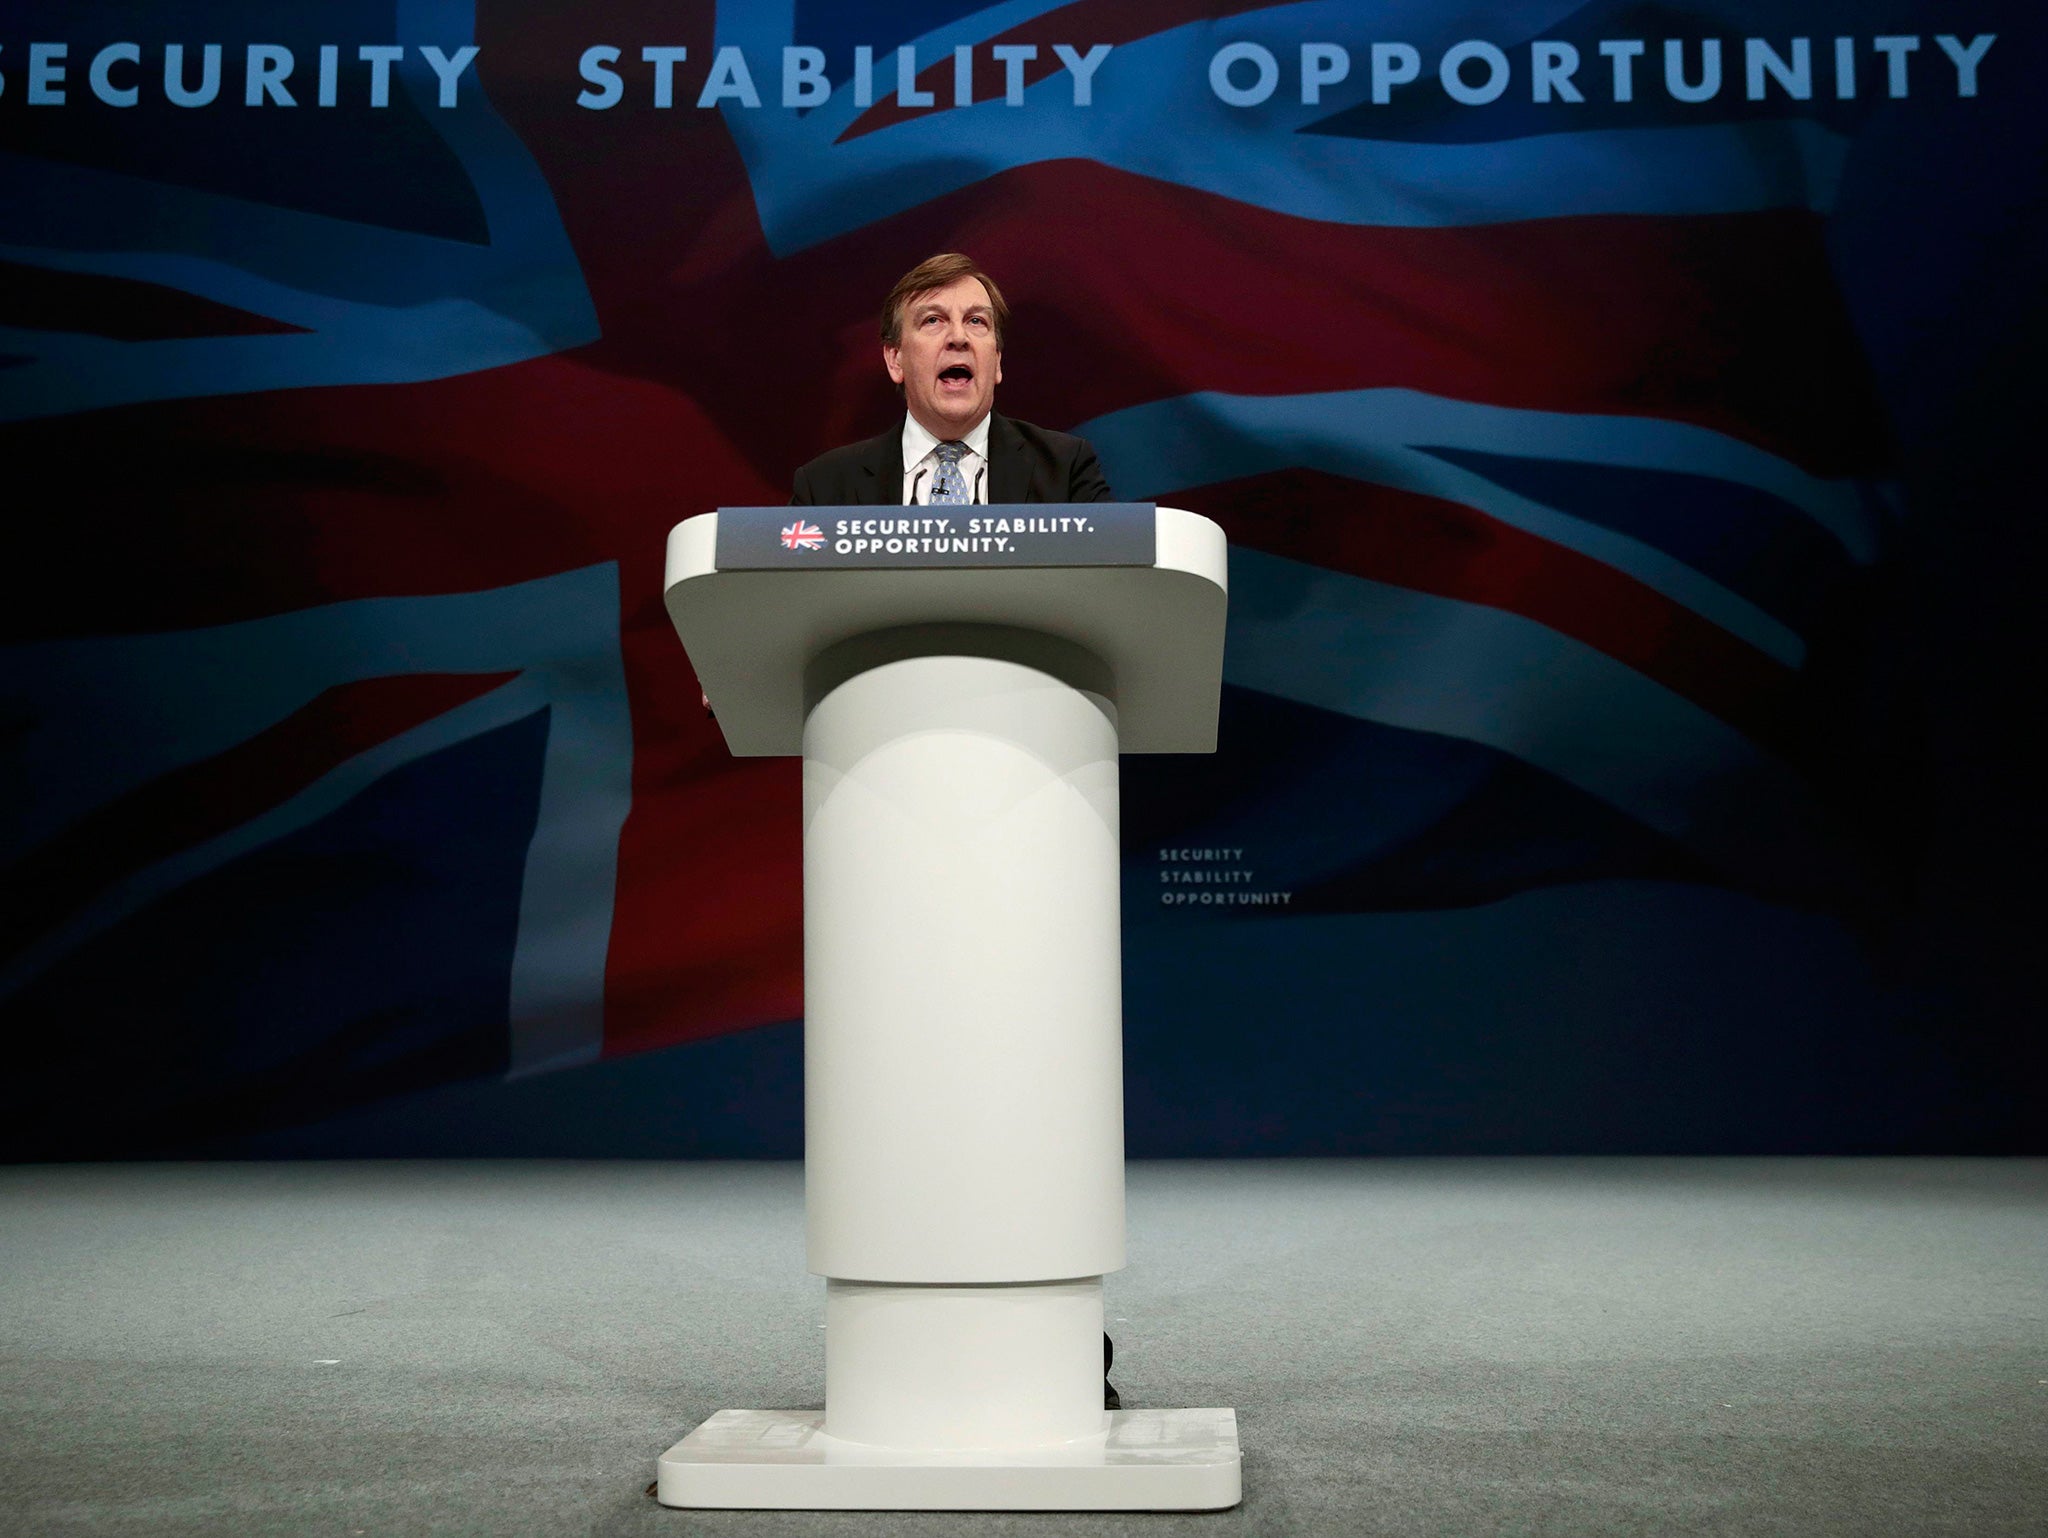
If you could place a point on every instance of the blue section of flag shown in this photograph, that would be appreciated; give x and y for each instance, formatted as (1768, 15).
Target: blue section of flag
(366, 954)
(1620, 1016)
(373, 289)
(1431, 821)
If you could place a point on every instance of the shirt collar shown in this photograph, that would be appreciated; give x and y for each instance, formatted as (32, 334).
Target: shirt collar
(917, 443)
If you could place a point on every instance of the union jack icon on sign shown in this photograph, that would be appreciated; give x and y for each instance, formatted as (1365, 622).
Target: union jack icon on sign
(803, 536)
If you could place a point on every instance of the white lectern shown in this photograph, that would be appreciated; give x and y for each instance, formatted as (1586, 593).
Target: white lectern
(959, 682)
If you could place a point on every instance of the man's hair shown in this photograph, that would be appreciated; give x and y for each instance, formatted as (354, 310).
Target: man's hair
(937, 272)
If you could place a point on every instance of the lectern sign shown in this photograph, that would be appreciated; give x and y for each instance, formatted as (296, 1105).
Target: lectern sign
(892, 538)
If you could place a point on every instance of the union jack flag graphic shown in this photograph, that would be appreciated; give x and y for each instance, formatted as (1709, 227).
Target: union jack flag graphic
(354, 751)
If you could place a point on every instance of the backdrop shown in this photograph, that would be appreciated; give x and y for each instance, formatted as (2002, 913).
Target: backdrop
(1622, 415)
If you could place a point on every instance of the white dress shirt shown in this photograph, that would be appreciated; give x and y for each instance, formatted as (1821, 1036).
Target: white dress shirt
(921, 462)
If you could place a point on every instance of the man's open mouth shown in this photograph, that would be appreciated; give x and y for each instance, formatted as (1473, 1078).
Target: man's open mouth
(959, 371)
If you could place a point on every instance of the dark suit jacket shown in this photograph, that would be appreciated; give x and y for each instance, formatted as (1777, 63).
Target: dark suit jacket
(1025, 464)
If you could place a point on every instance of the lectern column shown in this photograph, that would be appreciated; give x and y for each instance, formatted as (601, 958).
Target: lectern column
(963, 1059)
(959, 701)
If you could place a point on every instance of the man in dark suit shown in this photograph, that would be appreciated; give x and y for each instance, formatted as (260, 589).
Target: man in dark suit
(942, 343)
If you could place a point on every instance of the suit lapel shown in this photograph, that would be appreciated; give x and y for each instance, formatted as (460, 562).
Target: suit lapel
(882, 470)
(1009, 475)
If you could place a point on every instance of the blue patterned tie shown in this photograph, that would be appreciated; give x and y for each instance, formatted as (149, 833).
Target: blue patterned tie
(949, 486)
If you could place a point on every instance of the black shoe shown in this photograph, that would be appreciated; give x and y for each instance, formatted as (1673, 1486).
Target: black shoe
(1111, 1399)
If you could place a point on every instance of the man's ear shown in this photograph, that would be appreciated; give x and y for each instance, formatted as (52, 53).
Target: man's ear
(892, 360)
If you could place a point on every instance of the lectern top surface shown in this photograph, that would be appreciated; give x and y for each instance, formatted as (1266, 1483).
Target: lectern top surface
(1143, 589)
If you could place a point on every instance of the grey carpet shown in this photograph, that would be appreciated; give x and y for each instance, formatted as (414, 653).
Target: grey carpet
(1415, 1347)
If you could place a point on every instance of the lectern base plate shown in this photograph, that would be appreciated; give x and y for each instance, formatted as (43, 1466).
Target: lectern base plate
(1148, 1460)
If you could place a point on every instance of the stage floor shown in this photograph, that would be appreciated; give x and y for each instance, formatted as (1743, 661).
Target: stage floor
(1741, 1346)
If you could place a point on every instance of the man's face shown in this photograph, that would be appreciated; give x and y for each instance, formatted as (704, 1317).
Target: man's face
(947, 360)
